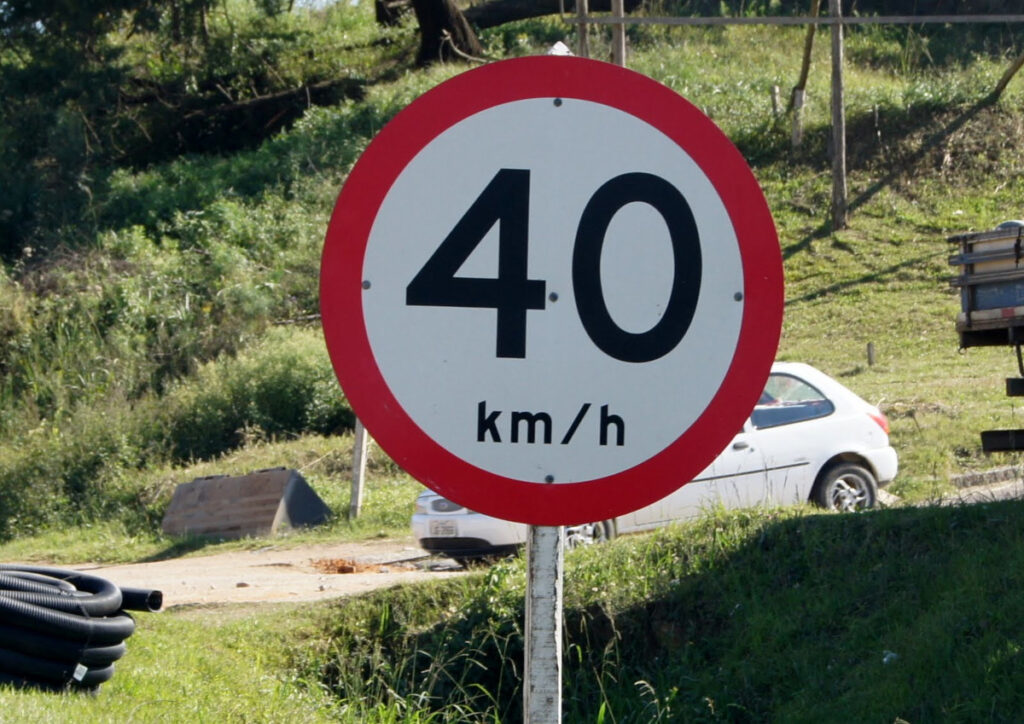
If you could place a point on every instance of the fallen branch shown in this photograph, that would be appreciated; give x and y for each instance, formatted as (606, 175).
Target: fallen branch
(1005, 80)
(498, 12)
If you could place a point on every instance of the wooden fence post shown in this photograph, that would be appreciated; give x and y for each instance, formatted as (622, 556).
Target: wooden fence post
(355, 506)
(838, 122)
(799, 96)
(619, 34)
(583, 45)
(805, 61)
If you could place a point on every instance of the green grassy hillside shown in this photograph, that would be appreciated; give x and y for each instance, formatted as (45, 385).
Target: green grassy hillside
(897, 615)
(162, 325)
(181, 310)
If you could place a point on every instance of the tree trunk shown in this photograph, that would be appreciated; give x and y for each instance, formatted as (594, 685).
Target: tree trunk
(805, 63)
(175, 21)
(445, 34)
(389, 12)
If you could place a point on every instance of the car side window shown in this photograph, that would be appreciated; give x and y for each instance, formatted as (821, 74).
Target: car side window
(787, 399)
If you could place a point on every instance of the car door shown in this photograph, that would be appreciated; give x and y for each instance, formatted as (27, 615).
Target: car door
(787, 426)
(685, 502)
(734, 477)
(739, 472)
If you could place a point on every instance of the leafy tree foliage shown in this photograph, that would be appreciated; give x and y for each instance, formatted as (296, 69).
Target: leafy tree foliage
(41, 22)
(77, 102)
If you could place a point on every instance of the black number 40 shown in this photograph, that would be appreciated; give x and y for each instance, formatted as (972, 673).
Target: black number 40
(506, 201)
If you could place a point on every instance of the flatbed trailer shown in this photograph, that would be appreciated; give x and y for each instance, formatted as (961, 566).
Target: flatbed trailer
(991, 284)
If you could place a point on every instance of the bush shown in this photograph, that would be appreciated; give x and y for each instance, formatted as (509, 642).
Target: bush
(283, 386)
(454, 647)
(83, 467)
(71, 474)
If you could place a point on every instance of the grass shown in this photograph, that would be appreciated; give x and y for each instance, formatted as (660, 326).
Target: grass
(745, 616)
(750, 616)
(166, 327)
(193, 666)
(325, 463)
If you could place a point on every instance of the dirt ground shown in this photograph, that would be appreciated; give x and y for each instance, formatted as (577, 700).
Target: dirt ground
(279, 573)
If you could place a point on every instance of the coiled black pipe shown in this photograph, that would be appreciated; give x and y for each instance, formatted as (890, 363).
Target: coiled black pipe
(64, 629)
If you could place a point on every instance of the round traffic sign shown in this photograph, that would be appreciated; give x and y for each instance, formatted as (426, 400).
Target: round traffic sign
(551, 289)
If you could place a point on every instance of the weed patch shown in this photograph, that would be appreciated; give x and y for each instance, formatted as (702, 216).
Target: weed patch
(747, 616)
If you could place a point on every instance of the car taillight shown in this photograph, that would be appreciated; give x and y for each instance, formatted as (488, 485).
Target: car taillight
(881, 419)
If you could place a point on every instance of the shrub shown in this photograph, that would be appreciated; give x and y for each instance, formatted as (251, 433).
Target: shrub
(282, 386)
(75, 473)
(83, 466)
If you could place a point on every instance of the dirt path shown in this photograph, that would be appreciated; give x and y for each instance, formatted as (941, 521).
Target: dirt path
(307, 573)
(277, 574)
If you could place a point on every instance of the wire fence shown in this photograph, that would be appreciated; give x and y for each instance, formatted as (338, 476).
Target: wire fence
(835, 20)
(796, 20)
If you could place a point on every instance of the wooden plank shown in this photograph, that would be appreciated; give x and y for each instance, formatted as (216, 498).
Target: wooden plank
(1011, 233)
(989, 277)
(988, 318)
(981, 257)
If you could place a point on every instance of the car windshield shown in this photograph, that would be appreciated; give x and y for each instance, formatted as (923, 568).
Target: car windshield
(787, 399)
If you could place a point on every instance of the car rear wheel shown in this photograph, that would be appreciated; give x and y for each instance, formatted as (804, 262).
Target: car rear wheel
(589, 533)
(846, 487)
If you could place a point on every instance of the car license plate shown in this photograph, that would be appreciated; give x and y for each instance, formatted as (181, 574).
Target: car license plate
(444, 528)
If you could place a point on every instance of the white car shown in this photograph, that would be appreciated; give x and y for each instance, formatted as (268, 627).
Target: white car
(808, 439)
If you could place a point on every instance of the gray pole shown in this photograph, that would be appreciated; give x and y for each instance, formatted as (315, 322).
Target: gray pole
(355, 506)
(542, 674)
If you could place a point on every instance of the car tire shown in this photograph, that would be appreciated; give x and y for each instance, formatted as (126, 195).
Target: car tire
(846, 487)
(588, 534)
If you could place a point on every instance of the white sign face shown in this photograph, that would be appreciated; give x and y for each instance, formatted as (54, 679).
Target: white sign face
(560, 407)
(552, 290)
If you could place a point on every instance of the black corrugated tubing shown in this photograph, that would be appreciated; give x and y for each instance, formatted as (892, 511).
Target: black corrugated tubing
(64, 629)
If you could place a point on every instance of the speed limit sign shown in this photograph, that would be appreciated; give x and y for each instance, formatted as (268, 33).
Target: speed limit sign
(551, 289)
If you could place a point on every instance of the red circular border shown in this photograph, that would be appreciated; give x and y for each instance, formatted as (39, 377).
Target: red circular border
(341, 289)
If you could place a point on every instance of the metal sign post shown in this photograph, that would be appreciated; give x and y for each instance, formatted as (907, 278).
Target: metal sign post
(542, 675)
